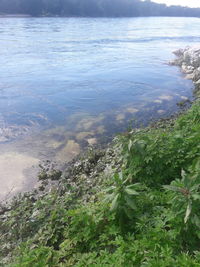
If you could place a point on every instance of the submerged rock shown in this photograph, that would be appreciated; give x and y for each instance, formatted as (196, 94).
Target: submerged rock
(69, 151)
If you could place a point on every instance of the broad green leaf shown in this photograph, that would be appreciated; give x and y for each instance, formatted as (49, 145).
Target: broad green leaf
(188, 211)
(196, 196)
(131, 191)
(117, 177)
(110, 189)
(109, 197)
(121, 176)
(132, 186)
(125, 181)
(172, 188)
(130, 144)
(114, 203)
(196, 220)
(131, 203)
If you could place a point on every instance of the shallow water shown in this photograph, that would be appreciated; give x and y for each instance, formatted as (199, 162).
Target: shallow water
(66, 83)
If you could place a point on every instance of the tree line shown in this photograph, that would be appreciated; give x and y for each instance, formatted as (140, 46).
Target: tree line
(94, 8)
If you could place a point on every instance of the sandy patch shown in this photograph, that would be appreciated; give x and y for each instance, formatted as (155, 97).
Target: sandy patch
(13, 166)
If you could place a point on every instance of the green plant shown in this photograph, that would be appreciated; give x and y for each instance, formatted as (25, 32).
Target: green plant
(184, 202)
(122, 198)
(188, 189)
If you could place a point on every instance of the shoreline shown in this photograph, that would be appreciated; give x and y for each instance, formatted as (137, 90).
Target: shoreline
(186, 60)
(4, 15)
(15, 16)
(78, 202)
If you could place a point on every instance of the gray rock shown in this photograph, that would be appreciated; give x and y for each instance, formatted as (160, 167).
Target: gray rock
(196, 74)
(187, 57)
(195, 60)
(189, 61)
(178, 52)
(197, 82)
(187, 69)
(190, 76)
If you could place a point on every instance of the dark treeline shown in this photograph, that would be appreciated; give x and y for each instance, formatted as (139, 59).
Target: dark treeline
(94, 8)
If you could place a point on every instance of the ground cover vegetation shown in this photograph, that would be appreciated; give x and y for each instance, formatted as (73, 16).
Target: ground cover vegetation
(134, 204)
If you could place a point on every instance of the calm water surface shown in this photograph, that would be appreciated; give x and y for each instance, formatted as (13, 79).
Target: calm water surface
(67, 82)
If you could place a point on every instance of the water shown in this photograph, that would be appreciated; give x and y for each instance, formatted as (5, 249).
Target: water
(66, 83)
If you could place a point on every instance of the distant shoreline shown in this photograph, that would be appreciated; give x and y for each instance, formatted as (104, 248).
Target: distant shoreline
(92, 17)
(15, 16)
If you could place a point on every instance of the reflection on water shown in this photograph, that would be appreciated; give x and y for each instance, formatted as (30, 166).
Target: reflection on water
(64, 89)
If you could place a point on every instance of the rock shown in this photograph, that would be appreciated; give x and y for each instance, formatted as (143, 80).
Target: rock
(189, 61)
(187, 69)
(190, 76)
(195, 61)
(176, 62)
(190, 68)
(178, 52)
(196, 74)
(197, 82)
(187, 57)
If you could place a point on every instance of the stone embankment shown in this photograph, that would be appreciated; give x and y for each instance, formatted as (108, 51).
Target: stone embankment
(188, 60)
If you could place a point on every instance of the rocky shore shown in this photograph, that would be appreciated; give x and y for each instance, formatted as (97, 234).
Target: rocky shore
(88, 166)
(188, 60)
(47, 221)
(87, 169)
